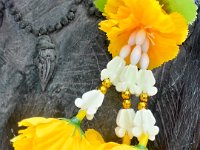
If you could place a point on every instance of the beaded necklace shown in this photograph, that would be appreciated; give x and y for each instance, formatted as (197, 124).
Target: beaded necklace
(47, 56)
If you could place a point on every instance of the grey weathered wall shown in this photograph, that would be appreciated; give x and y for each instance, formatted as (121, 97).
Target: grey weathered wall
(81, 55)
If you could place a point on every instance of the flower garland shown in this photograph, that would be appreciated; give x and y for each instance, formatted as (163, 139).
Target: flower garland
(143, 34)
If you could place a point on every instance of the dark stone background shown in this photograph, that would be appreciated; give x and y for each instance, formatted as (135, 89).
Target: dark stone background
(81, 50)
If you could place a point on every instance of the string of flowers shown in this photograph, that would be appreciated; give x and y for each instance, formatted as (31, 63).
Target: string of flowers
(143, 35)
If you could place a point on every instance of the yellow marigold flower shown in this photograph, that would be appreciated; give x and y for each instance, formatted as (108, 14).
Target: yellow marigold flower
(115, 146)
(143, 139)
(55, 134)
(144, 23)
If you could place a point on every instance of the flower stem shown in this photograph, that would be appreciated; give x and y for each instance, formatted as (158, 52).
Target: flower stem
(126, 139)
(143, 139)
(81, 115)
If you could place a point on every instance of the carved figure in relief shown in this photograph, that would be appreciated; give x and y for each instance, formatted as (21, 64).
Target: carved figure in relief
(45, 60)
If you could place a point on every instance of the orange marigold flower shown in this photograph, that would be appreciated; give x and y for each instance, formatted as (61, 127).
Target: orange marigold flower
(143, 22)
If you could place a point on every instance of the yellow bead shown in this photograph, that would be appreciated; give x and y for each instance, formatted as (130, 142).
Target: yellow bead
(127, 104)
(144, 97)
(126, 95)
(103, 89)
(107, 83)
(142, 105)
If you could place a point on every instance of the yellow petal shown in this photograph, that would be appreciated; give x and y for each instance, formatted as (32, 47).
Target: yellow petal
(94, 137)
(115, 146)
(35, 121)
(165, 31)
(55, 134)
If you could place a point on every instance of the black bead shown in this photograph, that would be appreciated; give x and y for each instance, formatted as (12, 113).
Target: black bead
(92, 10)
(42, 31)
(73, 8)
(90, 2)
(22, 25)
(58, 26)
(50, 29)
(18, 17)
(36, 32)
(78, 1)
(29, 28)
(71, 16)
(64, 21)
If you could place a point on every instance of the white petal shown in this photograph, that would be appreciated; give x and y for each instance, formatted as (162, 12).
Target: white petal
(144, 122)
(89, 117)
(145, 45)
(138, 119)
(90, 102)
(152, 138)
(121, 86)
(136, 55)
(154, 131)
(91, 111)
(116, 64)
(129, 74)
(137, 131)
(148, 120)
(135, 90)
(125, 51)
(125, 121)
(152, 91)
(145, 79)
(140, 37)
(131, 40)
(105, 74)
(144, 61)
(127, 78)
(147, 117)
(120, 132)
(125, 118)
(114, 67)
(115, 81)
(79, 102)
(93, 98)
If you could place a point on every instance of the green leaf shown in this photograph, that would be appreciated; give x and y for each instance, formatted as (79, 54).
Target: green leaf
(187, 8)
(100, 4)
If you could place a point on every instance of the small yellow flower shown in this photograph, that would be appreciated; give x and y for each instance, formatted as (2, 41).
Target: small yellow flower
(55, 134)
(157, 32)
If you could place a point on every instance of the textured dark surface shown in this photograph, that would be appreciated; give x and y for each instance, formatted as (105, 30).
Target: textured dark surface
(81, 55)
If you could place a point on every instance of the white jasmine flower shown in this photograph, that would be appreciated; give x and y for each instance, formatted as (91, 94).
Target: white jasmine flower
(90, 102)
(145, 83)
(114, 67)
(144, 123)
(125, 122)
(127, 79)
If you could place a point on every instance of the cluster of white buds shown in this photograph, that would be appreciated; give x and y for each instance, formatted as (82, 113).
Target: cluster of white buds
(136, 82)
(136, 124)
(137, 47)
